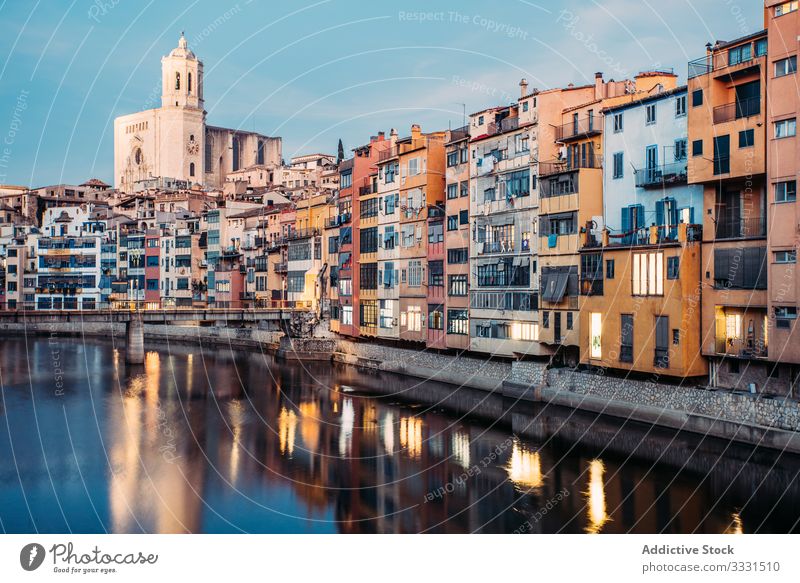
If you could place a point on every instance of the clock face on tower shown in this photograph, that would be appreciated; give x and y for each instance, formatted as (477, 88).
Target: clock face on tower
(192, 147)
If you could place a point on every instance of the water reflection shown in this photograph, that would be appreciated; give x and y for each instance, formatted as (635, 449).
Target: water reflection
(198, 441)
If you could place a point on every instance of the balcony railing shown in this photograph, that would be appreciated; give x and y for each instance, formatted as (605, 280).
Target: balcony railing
(302, 234)
(741, 347)
(504, 125)
(579, 128)
(716, 61)
(739, 109)
(388, 154)
(551, 167)
(281, 267)
(741, 228)
(661, 176)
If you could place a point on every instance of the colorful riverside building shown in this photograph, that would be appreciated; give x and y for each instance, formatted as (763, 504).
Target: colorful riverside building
(782, 21)
(352, 174)
(640, 281)
(367, 211)
(389, 241)
(456, 239)
(571, 205)
(421, 162)
(727, 157)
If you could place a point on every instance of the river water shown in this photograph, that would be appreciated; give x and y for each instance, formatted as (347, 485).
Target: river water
(202, 439)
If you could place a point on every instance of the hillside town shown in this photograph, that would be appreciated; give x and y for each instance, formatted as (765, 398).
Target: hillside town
(640, 225)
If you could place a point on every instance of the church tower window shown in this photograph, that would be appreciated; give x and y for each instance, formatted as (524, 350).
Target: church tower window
(191, 169)
(189, 81)
(260, 159)
(235, 145)
(177, 81)
(209, 153)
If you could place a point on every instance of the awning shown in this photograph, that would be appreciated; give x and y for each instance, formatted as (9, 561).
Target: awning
(554, 286)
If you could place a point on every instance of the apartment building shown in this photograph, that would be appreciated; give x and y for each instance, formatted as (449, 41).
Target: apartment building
(782, 21)
(422, 178)
(368, 202)
(389, 241)
(353, 174)
(640, 282)
(571, 205)
(456, 239)
(727, 157)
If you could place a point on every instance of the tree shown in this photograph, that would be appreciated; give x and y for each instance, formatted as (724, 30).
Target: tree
(340, 155)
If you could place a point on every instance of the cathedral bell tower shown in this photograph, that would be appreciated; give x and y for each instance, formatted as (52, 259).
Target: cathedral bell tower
(181, 78)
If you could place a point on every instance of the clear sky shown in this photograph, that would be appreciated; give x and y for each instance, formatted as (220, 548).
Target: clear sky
(316, 71)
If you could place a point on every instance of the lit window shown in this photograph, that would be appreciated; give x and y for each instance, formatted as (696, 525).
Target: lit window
(524, 331)
(648, 274)
(347, 315)
(595, 335)
(785, 8)
(733, 326)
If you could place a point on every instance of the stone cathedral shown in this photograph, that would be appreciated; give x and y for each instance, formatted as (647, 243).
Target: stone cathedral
(173, 141)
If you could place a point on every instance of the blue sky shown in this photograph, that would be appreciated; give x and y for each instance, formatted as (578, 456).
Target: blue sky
(314, 71)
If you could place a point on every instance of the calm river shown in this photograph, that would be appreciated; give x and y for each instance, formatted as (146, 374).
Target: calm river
(210, 440)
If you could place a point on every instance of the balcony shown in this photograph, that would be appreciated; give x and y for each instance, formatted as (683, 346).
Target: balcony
(740, 109)
(436, 212)
(302, 234)
(504, 125)
(719, 62)
(388, 154)
(661, 176)
(281, 267)
(579, 128)
(487, 247)
(741, 228)
(559, 166)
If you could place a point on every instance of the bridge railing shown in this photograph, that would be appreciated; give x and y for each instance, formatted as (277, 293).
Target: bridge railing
(152, 307)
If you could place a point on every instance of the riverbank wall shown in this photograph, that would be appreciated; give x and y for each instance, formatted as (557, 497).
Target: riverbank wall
(759, 420)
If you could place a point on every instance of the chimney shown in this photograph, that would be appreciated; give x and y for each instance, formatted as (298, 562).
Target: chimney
(415, 131)
(599, 87)
(381, 136)
(393, 136)
(523, 87)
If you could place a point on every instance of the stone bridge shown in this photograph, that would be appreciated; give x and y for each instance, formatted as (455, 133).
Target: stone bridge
(293, 321)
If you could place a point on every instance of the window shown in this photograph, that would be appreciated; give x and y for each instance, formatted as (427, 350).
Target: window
(368, 313)
(435, 233)
(761, 47)
(480, 120)
(697, 97)
(414, 319)
(463, 217)
(464, 188)
(595, 335)
(626, 338)
(390, 203)
(786, 66)
(413, 167)
(785, 256)
(648, 274)
(347, 315)
(457, 322)
(673, 267)
(524, 106)
(785, 128)
(680, 149)
(387, 319)
(457, 285)
(191, 169)
(415, 273)
(369, 275)
(545, 320)
(569, 320)
(435, 317)
(618, 165)
(346, 181)
(436, 273)
(786, 191)
(746, 139)
(452, 191)
(369, 208)
(296, 281)
(452, 223)
(609, 269)
(740, 54)
(517, 183)
(650, 114)
(152, 261)
(618, 123)
(524, 331)
(452, 158)
(785, 8)
(740, 268)
(680, 106)
(784, 316)
(457, 256)
(346, 287)
(697, 148)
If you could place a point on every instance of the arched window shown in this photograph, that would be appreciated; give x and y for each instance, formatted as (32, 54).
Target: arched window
(189, 80)
(177, 81)
(191, 169)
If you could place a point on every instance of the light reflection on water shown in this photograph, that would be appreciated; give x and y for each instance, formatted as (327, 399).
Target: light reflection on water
(208, 441)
